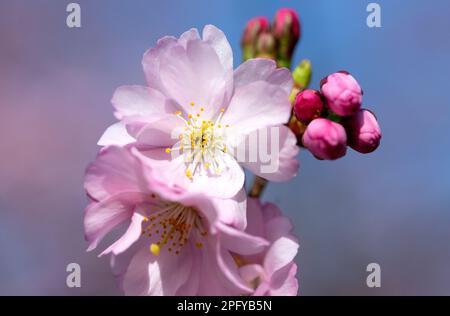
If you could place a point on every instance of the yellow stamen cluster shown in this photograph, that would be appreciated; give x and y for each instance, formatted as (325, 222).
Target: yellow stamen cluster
(202, 142)
(172, 227)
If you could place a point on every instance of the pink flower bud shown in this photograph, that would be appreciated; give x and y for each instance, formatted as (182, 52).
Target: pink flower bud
(325, 139)
(364, 133)
(286, 30)
(342, 92)
(287, 23)
(308, 105)
(253, 29)
(265, 46)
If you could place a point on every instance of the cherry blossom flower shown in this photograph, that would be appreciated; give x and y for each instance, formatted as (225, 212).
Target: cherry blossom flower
(196, 112)
(273, 271)
(177, 242)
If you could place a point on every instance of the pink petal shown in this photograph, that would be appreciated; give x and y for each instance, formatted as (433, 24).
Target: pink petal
(116, 134)
(226, 185)
(218, 41)
(162, 132)
(257, 105)
(232, 211)
(262, 69)
(153, 275)
(212, 280)
(250, 272)
(191, 286)
(119, 263)
(255, 221)
(128, 238)
(132, 101)
(270, 211)
(285, 283)
(281, 253)
(240, 242)
(275, 161)
(100, 218)
(151, 62)
(187, 36)
(230, 270)
(114, 171)
(278, 227)
(195, 74)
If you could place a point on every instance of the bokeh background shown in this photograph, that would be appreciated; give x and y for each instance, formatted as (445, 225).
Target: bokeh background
(391, 207)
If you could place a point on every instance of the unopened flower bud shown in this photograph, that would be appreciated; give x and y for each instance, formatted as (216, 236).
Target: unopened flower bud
(342, 92)
(302, 74)
(308, 105)
(286, 29)
(266, 46)
(253, 29)
(325, 139)
(364, 133)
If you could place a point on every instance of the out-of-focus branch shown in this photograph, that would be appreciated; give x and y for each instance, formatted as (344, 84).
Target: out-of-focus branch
(258, 187)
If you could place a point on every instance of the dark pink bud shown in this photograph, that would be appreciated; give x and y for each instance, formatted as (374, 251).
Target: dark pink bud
(308, 105)
(325, 139)
(265, 46)
(253, 29)
(364, 133)
(342, 92)
(286, 29)
(286, 23)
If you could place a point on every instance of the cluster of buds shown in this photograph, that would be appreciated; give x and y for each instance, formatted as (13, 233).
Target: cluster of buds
(325, 121)
(332, 119)
(276, 42)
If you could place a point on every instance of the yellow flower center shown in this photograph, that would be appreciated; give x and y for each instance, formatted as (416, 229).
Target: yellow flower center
(171, 225)
(202, 143)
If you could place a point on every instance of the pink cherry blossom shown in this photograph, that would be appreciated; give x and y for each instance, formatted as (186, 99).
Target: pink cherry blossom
(196, 112)
(176, 242)
(273, 271)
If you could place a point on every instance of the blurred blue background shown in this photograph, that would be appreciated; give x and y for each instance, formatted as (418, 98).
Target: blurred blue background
(391, 207)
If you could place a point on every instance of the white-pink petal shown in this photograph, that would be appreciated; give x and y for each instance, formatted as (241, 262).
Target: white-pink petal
(256, 105)
(275, 153)
(263, 69)
(280, 254)
(128, 238)
(116, 134)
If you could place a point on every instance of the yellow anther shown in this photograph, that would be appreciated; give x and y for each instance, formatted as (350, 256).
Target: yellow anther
(145, 219)
(155, 249)
(192, 103)
(178, 113)
(227, 125)
(168, 150)
(207, 165)
(198, 114)
(219, 126)
(202, 109)
(189, 173)
(190, 116)
(222, 110)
